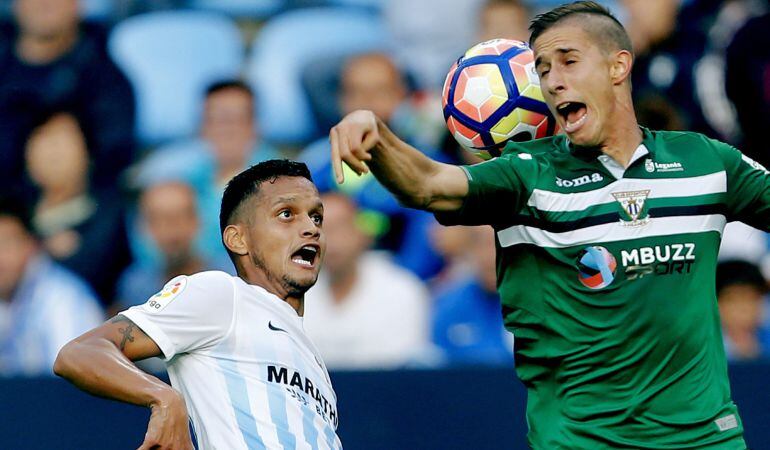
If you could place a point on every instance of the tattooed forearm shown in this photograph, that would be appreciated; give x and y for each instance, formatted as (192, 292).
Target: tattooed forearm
(127, 332)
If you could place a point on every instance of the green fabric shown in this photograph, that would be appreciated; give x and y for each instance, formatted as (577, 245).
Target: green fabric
(637, 363)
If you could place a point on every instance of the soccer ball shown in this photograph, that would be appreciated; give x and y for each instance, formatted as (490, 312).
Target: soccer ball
(492, 95)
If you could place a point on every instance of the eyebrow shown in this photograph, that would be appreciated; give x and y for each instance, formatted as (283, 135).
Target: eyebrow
(284, 199)
(562, 51)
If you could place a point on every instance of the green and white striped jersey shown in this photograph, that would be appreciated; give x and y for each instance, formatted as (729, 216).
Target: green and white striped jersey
(607, 281)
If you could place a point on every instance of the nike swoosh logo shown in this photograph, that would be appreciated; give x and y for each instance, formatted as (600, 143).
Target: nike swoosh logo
(275, 328)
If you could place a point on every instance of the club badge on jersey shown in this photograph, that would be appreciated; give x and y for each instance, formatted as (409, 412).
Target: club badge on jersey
(170, 291)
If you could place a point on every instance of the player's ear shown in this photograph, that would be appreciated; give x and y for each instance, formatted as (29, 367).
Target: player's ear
(620, 68)
(235, 239)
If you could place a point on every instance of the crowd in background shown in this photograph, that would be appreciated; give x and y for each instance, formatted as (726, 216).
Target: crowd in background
(122, 120)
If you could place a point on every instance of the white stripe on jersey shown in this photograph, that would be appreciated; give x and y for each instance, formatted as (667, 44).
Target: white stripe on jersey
(610, 232)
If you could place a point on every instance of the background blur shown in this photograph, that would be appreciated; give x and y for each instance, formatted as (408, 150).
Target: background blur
(122, 120)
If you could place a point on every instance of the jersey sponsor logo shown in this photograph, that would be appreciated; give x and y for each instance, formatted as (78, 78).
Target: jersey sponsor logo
(632, 204)
(652, 166)
(665, 259)
(170, 291)
(275, 328)
(727, 422)
(596, 267)
(300, 388)
(579, 181)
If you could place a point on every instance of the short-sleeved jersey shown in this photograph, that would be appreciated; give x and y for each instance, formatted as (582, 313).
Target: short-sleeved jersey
(607, 281)
(240, 357)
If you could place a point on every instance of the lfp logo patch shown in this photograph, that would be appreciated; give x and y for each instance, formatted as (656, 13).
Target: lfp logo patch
(596, 267)
(170, 291)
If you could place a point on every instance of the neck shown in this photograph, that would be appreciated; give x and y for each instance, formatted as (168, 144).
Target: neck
(744, 341)
(274, 286)
(183, 266)
(38, 49)
(342, 282)
(62, 194)
(624, 136)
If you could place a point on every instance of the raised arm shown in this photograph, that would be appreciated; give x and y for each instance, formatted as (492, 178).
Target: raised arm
(364, 142)
(100, 362)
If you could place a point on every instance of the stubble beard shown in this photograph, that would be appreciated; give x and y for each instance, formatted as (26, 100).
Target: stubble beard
(292, 287)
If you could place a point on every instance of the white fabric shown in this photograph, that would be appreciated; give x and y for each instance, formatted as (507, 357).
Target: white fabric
(611, 232)
(240, 357)
(615, 168)
(381, 323)
(714, 183)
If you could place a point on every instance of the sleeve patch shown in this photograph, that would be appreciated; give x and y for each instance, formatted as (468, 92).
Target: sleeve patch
(170, 291)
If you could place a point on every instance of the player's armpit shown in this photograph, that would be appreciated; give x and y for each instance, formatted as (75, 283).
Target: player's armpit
(126, 336)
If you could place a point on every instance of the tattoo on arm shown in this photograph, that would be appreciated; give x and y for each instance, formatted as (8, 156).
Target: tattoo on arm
(126, 332)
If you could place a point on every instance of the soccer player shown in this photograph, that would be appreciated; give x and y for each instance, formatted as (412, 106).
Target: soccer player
(607, 244)
(236, 351)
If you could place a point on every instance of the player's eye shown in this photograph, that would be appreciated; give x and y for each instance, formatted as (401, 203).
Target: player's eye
(570, 62)
(543, 73)
(318, 219)
(284, 214)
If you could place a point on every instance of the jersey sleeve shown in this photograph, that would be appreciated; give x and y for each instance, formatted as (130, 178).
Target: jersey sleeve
(189, 313)
(497, 191)
(748, 188)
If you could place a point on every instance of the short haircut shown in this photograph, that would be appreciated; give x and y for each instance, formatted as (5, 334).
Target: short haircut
(732, 272)
(607, 29)
(246, 184)
(15, 209)
(222, 85)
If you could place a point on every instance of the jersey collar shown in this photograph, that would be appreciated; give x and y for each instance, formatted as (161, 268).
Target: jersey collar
(592, 153)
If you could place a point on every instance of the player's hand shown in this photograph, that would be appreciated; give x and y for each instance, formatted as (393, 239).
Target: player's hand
(168, 428)
(352, 141)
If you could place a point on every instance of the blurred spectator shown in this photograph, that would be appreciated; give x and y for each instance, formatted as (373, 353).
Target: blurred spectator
(49, 61)
(81, 228)
(373, 81)
(467, 318)
(504, 19)
(169, 215)
(228, 143)
(679, 65)
(364, 311)
(740, 291)
(430, 35)
(42, 304)
(748, 85)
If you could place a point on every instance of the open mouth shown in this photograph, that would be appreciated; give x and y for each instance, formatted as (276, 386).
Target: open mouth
(574, 115)
(306, 256)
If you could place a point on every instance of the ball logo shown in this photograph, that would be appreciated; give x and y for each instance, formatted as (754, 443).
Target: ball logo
(596, 267)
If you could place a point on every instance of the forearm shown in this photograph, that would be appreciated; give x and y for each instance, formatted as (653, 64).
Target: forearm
(407, 172)
(98, 367)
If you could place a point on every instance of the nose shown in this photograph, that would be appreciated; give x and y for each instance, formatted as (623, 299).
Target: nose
(555, 83)
(310, 228)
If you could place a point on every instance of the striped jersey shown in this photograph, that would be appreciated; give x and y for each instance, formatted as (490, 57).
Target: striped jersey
(607, 281)
(239, 355)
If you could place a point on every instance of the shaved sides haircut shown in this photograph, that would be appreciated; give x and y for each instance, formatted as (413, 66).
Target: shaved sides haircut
(593, 17)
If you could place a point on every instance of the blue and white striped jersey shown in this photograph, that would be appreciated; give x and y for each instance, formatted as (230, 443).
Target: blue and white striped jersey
(240, 357)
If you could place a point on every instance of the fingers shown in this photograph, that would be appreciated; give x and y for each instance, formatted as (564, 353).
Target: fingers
(336, 160)
(351, 142)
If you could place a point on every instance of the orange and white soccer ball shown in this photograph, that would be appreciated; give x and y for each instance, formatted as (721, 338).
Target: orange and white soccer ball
(492, 95)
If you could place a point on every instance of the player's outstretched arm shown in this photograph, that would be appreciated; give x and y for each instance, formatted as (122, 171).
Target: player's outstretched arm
(100, 362)
(364, 142)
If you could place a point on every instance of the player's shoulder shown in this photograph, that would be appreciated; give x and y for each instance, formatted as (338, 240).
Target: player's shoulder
(696, 148)
(543, 148)
(686, 139)
(207, 281)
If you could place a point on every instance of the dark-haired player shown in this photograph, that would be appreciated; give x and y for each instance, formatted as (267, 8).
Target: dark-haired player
(607, 247)
(237, 354)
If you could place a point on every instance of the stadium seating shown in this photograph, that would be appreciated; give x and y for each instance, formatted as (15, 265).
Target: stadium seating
(286, 46)
(170, 58)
